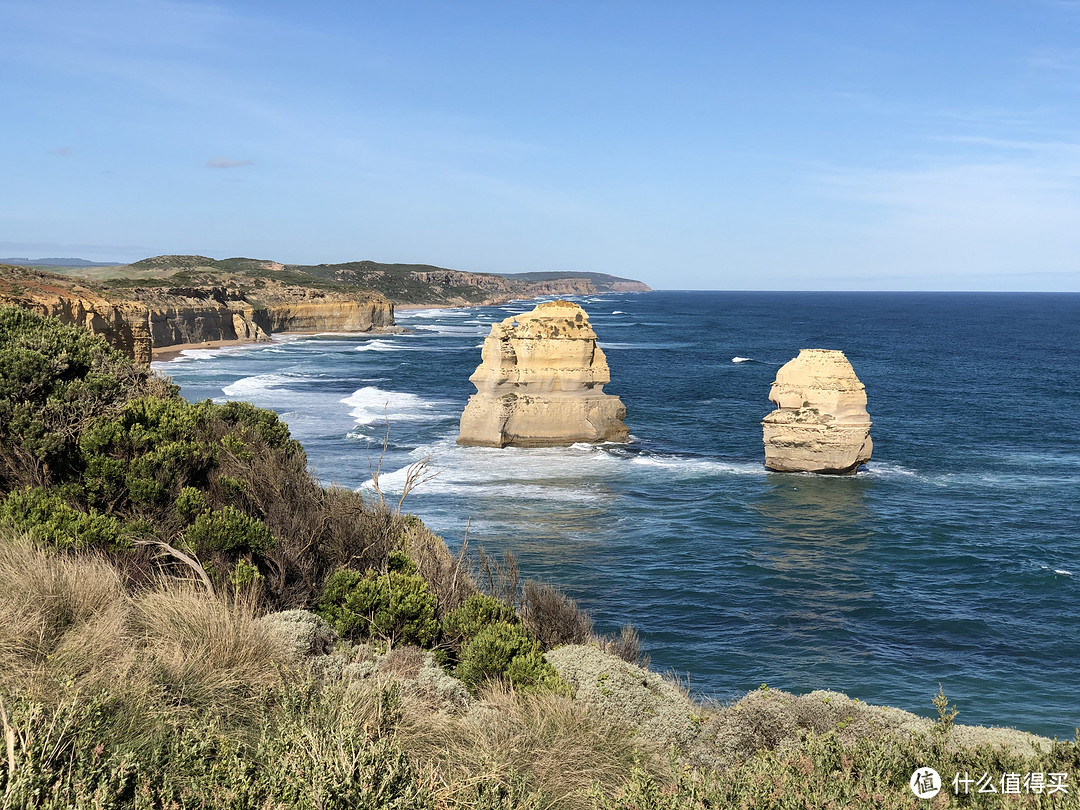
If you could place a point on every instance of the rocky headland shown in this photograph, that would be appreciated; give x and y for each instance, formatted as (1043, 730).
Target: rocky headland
(139, 319)
(820, 424)
(540, 384)
(176, 301)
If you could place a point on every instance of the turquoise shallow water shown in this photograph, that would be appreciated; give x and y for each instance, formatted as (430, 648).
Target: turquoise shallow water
(954, 558)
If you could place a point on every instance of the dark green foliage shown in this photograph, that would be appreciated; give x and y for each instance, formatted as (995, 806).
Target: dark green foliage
(47, 518)
(133, 460)
(229, 529)
(474, 614)
(504, 651)
(190, 503)
(54, 380)
(393, 605)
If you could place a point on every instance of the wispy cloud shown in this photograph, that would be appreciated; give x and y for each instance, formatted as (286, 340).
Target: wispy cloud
(225, 163)
(62, 151)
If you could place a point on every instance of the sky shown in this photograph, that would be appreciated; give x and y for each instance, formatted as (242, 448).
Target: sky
(773, 145)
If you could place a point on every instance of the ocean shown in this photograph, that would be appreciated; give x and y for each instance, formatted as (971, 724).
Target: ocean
(953, 558)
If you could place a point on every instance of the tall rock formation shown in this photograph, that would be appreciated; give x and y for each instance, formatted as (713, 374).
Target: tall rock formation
(820, 423)
(540, 384)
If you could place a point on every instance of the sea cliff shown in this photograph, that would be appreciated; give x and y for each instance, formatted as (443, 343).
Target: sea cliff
(173, 301)
(139, 319)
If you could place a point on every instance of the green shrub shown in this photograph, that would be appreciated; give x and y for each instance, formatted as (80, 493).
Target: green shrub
(229, 529)
(396, 606)
(504, 651)
(191, 503)
(49, 519)
(55, 380)
(475, 613)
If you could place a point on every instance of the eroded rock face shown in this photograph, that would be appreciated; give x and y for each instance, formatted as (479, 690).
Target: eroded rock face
(540, 384)
(820, 423)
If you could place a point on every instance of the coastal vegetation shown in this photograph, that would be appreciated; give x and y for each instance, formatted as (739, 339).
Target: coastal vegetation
(190, 620)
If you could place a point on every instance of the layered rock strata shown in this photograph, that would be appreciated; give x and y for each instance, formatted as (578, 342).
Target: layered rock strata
(137, 320)
(540, 383)
(820, 423)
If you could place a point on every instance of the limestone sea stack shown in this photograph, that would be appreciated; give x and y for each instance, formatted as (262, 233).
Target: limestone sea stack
(541, 382)
(820, 423)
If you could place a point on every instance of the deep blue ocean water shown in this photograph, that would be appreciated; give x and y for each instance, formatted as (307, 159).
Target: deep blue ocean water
(954, 558)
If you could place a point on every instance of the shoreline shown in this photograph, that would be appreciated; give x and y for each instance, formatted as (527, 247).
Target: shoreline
(173, 351)
(164, 354)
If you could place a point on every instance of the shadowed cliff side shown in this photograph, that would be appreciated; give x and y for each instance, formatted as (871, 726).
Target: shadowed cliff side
(137, 318)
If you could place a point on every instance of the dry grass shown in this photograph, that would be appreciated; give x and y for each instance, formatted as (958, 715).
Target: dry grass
(47, 601)
(67, 624)
(553, 617)
(545, 744)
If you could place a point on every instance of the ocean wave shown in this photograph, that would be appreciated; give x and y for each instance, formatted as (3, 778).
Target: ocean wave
(742, 359)
(617, 312)
(379, 345)
(699, 466)
(443, 329)
(433, 312)
(371, 405)
(605, 345)
(887, 469)
(258, 384)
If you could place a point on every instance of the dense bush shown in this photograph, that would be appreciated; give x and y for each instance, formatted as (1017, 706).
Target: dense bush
(229, 529)
(97, 453)
(393, 605)
(55, 380)
(45, 516)
(477, 612)
(504, 651)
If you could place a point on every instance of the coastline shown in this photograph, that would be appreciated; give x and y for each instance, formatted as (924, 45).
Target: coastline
(164, 354)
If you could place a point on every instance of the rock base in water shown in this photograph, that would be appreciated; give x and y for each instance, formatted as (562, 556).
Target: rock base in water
(820, 424)
(540, 384)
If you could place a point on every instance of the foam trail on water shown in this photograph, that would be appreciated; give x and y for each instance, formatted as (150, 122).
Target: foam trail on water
(380, 346)
(369, 405)
(256, 385)
(741, 359)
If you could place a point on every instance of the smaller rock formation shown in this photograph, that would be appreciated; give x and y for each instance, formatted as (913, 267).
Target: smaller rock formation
(820, 423)
(541, 382)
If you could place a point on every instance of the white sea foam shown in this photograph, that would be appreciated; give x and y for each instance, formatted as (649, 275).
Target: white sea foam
(371, 405)
(443, 329)
(741, 359)
(580, 473)
(258, 384)
(677, 465)
(887, 469)
(380, 346)
(434, 312)
(1063, 572)
(618, 312)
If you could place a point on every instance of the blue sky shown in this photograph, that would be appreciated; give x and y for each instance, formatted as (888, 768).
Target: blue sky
(709, 145)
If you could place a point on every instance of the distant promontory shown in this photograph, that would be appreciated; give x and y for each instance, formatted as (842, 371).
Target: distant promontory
(176, 301)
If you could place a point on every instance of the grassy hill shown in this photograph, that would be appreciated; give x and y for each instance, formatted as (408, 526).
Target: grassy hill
(401, 283)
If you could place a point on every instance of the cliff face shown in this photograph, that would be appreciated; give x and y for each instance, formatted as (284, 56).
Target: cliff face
(124, 324)
(540, 383)
(331, 316)
(820, 424)
(138, 320)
